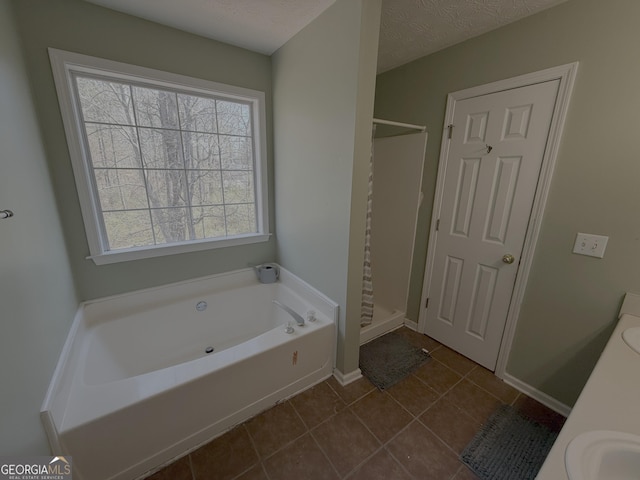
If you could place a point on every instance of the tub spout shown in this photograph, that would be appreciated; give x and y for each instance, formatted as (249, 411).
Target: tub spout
(298, 318)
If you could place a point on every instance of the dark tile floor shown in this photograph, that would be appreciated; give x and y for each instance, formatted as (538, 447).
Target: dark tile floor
(414, 430)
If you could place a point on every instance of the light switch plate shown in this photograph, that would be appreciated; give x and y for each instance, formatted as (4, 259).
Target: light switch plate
(591, 245)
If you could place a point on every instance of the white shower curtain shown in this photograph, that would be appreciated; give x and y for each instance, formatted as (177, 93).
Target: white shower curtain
(366, 315)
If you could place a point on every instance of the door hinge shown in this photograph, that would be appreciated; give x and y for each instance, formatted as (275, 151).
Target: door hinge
(437, 225)
(450, 127)
(426, 303)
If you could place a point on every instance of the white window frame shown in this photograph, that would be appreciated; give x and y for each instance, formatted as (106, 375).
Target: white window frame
(64, 64)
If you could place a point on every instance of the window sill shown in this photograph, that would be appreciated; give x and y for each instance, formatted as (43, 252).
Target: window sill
(140, 253)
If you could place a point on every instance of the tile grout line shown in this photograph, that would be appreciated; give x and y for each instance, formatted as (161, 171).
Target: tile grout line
(414, 418)
(518, 393)
(263, 458)
(397, 460)
(454, 384)
(255, 450)
(191, 469)
(308, 431)
(381, 446)
(463, 377)
(398, 403)
(462, 468)
(264, 470)
(439, 396)
(335, 469)
(442, 397)
(446, 444)
(348, 404)
(492, 394)
(300, 416)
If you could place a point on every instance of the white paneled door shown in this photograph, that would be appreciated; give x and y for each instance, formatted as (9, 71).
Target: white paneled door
(495, 153)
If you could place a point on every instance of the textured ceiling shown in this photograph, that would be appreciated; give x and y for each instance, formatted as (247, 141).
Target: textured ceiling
(410, 29)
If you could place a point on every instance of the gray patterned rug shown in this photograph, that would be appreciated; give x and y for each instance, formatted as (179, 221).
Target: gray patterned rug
(509, 446)
(390, 358)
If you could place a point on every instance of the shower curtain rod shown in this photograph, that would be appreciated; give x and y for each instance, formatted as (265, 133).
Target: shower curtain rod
(422, 128)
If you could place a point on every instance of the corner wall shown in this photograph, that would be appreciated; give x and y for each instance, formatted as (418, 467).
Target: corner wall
(37, 296)
(571, 301)
(323, 81)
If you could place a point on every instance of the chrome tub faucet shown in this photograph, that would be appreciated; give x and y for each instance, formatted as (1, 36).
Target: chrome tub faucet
(298, 318)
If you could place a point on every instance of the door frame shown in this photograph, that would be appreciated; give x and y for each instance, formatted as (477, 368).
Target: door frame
(566, 74)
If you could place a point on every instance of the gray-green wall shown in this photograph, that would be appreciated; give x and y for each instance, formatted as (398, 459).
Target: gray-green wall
(324, 81)
(82, 27)
(37, 297)
(571, 301)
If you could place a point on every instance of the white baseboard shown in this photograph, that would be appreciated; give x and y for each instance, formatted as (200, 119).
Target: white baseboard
(536, 394)
(411, 324)
(381, 327)
(346, 379)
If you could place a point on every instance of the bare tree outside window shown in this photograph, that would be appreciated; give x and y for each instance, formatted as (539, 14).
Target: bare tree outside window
(168, 166)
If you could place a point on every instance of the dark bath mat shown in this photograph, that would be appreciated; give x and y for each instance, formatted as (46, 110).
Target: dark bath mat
(390, 358)
(509, 446)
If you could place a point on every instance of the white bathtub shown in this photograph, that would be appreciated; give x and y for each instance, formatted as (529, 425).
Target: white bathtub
(134, 387)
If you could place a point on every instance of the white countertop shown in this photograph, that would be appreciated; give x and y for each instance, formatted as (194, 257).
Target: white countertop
(611, 398)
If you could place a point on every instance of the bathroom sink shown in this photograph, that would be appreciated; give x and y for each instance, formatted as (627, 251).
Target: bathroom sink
(603, 455)
(631, 337)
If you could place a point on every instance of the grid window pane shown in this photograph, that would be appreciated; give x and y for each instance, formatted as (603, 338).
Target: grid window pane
(208, 222)
(113, 146)
(161, 148)
(121, 189)
(238, 187)
(105, 101)
(205, 187)
(201, 150)
(240, 219)
(233, 118)
(166, 188)
(128, 229)
(197, 114)
(172, 225)
(155, 108)
(236, 153)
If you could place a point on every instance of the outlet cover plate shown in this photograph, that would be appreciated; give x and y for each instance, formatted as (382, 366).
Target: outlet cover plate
(591, 245)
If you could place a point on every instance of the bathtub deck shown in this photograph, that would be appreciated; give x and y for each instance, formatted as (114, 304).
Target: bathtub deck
(357, 433)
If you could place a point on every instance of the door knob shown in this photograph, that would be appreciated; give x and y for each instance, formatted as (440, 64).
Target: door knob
(508, 258)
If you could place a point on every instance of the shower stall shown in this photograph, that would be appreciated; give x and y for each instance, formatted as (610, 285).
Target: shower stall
(395, 197)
